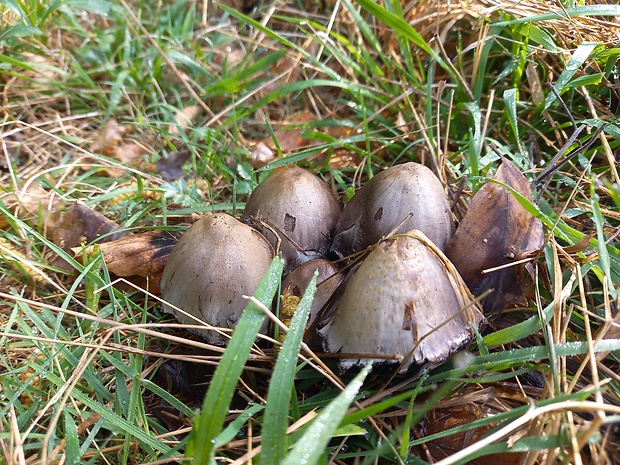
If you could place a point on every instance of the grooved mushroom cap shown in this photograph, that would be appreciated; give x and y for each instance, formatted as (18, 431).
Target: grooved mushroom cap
(214, 264)
(385, 201)
(405, 299)
(301, 208)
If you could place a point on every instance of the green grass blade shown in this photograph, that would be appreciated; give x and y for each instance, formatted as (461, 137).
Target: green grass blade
(574, 63)
(209, 424)
(475, 138)
(116, 94)
(275, 439)
(575, 12)
(311, 446)
(240, 79)
(510, 100)
(403, 29)
(231, 431)
(287, 43)
(602, 246)
(518, 331)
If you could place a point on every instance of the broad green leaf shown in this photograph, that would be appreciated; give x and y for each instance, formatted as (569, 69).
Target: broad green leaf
(519, 331)
(510, 100)
(72, 448)
(19, 30)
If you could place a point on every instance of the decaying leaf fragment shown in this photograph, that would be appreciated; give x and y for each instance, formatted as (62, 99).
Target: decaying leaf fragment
(288, 140)
(34, 206)
(110, 138)
(110, 143)
(496, 231)
(471, 404)
(143, 254)
(184, 118)
(171, 167)
(80, 224)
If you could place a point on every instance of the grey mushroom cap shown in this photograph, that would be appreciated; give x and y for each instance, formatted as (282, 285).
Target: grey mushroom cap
(300, 209)
(405, 299)
(408, 193)
(214, 264)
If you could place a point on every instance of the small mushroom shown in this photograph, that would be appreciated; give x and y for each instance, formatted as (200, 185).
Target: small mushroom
(406, 299)
(298, 210)
(214, 264)
(407, 195)
(329, 278)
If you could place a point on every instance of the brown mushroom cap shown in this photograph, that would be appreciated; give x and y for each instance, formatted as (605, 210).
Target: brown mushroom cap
(301, 208)
(329, 278)
(214, 264)
(404, 299)
(388, 199)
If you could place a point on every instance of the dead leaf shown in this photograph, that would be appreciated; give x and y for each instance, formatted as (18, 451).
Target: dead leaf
(289, 71)
(110, 143)
(442, 419)
(262, 155)
(110, 138)
(184, 119)
(185, 381)
(143, 254)
(80, 224)
(132, 154)
(171, 167)
(32, 206)
(289, 140)
(40, 73)
(342, 159)
(15, 149)
(496, 231)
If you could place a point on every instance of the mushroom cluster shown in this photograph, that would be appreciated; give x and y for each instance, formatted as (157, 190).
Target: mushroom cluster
(398, 299)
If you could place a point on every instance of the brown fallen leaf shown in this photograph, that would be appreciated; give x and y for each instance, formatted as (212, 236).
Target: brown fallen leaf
(132, 154)
(171, 167)
(184, 118)
(262, 155)
(289, 139)
(110, 143)
(38, 73)
(185, 381)
(80, 224)
(461, 412)
(142, 254)
(496, 231)
(289, 71)
(110, 138)
(33, 206)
